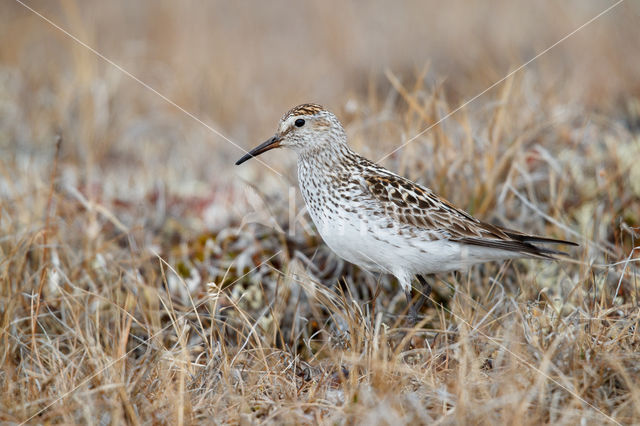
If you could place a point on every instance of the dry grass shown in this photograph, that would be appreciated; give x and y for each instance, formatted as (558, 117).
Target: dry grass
(143, 279)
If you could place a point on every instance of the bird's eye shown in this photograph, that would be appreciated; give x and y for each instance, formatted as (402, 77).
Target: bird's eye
(299, 122)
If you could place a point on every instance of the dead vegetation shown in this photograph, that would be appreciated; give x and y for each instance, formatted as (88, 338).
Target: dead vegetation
(143, 279)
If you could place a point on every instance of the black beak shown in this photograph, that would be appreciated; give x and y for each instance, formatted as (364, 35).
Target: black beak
(274, 142)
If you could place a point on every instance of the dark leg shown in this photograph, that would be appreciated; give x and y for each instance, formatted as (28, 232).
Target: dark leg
(425, 292)
(424, 295)
(413, 313)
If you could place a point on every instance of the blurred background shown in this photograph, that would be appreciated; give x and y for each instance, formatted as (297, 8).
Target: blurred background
(239, 66)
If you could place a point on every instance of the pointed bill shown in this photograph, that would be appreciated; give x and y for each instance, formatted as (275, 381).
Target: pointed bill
(274, 142)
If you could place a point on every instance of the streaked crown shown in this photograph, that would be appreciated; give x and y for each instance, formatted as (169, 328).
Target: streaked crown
(304, 109)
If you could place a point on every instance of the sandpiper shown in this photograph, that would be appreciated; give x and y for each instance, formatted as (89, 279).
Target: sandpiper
(383, 222)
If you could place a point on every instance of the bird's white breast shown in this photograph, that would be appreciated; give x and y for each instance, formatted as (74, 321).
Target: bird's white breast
(355, 228)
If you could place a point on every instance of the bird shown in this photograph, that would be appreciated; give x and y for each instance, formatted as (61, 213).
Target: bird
(383, 222)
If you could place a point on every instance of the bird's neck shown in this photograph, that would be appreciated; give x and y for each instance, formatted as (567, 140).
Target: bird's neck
(330, 159)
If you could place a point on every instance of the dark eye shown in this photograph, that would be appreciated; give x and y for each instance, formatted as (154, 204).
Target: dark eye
(299, 122)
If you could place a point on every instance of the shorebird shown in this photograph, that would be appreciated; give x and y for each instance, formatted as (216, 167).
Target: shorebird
(381, 221)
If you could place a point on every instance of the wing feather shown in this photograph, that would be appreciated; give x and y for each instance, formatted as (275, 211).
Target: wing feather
(414, 205)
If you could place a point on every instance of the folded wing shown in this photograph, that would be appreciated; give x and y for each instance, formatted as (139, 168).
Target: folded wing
(417, 206)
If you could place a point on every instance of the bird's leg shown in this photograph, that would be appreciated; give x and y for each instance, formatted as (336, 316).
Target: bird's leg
(413, 313)
(424, 295)
(425, 292)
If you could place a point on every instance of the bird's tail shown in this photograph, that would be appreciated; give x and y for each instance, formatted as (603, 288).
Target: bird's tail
(521, 243)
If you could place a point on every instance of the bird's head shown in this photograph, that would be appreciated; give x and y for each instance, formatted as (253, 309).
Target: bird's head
(303, 128)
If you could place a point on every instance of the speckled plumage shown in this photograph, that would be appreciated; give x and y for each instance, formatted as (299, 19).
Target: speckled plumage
(381, 221)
